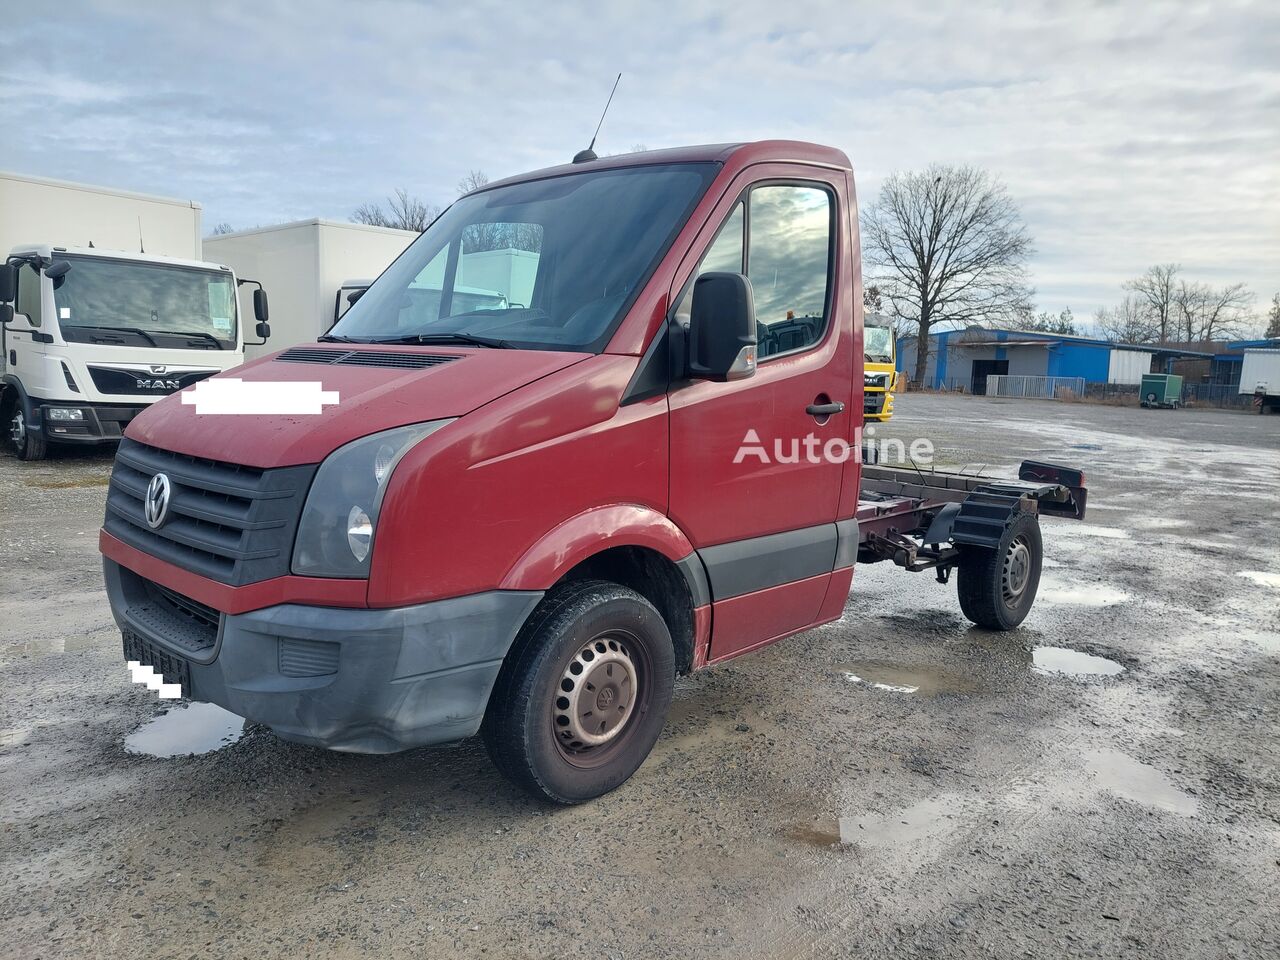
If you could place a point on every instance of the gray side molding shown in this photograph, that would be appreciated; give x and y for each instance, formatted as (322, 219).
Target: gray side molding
(846, 543)
(695, 575)
(745, 566)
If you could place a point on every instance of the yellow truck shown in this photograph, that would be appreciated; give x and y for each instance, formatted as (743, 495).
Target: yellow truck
(879, 377)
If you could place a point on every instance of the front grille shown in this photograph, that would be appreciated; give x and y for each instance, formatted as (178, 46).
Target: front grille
(138, 383)
(872, 402)
(366, 358)
(230, 523)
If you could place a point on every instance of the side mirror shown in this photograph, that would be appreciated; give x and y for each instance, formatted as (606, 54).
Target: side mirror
(355, 295)
(260, 311)
(57, 269)
(8, 283)
(722, 328)
(6, 313)
(263, 330)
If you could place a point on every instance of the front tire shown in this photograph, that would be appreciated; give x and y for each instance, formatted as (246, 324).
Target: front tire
(24, 444)
(997, 587)
(583, 693)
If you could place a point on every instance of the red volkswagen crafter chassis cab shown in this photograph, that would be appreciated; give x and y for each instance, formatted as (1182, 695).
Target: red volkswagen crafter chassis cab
(588, 438)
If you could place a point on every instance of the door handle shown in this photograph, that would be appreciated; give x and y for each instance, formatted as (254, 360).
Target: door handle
(824, 409)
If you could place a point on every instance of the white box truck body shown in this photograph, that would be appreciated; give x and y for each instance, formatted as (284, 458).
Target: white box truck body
(308, 266)
(95, 329)
(1260, 376)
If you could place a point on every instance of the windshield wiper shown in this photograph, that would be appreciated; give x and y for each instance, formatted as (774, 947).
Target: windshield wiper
(467, 338)
(94, 326)
(337, 338)
(191, 333)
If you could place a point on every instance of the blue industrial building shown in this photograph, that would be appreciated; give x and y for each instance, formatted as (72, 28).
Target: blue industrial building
(963, 359)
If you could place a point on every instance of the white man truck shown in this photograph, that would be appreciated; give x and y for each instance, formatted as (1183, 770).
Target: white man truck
(90, 336)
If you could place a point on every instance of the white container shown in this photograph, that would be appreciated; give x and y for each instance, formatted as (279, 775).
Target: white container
(304, 266)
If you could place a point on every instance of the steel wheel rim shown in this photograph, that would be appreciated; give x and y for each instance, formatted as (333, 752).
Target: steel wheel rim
(1015, 572)
(18, 429)
(601, 692)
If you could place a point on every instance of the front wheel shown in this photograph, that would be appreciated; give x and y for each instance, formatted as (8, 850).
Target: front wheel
(24, 444)
(583, 693)
(997, 587)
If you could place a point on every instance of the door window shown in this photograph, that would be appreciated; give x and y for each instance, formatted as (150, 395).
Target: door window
(724, 254)
(28, 302)
(789, 265)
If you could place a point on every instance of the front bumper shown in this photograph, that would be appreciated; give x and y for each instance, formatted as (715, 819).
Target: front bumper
(101, 423)
(360, 680)
(876, 405)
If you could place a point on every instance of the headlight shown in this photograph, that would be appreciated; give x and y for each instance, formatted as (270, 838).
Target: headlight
(63, 413)
(335, 535)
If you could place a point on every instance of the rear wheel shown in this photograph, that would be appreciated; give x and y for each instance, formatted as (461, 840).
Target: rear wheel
(24, 444)
(997, 587)
(583, 694)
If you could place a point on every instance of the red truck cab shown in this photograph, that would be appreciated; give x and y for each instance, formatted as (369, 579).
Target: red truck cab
(527, 513)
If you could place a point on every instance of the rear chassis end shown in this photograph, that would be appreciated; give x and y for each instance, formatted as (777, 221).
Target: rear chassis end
(926, 519)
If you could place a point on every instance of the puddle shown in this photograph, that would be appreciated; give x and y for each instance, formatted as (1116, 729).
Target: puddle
(1085, 596)
(1048, 661)
(925, 680)
(1262, 578)
(52, 645)
(820, 833)
(68, 483)
(1090, 530)
(1125, 777)
(911, 825)
(192, 729)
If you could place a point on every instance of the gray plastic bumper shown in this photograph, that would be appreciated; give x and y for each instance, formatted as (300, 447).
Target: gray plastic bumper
(366, 681)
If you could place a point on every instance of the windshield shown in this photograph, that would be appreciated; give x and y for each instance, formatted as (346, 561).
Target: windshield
(546, 264)
(100, 300)
(877, 344)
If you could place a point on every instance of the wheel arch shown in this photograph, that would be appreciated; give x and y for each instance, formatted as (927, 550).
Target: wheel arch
(631, 545)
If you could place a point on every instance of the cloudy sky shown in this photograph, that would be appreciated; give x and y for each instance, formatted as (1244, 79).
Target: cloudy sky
(1129, 133)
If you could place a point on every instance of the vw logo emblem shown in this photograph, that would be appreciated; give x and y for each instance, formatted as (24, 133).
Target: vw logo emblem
(156, 505)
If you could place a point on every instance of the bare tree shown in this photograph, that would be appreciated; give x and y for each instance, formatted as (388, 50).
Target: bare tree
(1159, 288)
(472, 181)
(1225, 311)
(1273, 318)
(946, 245)
(1131, 321)
(221, 228)
(871, 299)
(1045, 322)
(403, 212)
(479, 237)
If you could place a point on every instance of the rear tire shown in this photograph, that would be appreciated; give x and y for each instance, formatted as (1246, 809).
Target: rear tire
(997, 587)
(583, 693)
(24, 444)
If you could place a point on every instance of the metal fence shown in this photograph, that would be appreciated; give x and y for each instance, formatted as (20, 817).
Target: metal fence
(1035, 388)
(1193, 394)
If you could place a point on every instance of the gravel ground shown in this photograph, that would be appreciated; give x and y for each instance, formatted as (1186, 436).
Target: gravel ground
(898, 783)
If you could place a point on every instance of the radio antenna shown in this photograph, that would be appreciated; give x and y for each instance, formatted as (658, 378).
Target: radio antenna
(141, 248)
(583, 156)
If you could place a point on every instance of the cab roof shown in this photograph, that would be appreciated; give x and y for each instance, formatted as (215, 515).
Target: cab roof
(50, 251)
(739, 154)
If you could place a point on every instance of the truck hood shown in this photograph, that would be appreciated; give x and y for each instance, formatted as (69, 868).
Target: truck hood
(370, 398)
